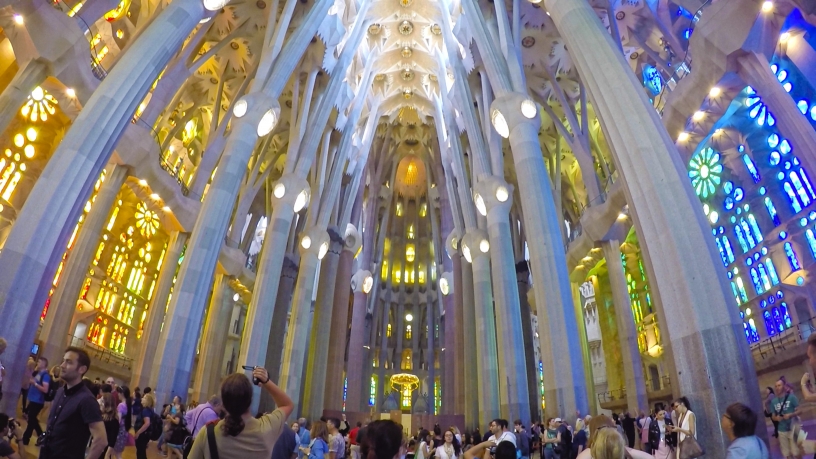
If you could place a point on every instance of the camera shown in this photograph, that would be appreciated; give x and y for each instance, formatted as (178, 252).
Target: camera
(255, 381)
(13, 424)
(492, 451)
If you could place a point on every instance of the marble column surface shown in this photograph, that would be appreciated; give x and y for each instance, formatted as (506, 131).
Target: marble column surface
(37, 241)
(695, 302)
(339, 333)
(209, 369)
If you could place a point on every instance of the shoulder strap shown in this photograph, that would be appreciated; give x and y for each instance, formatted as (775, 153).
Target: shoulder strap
(782, 406)
(211, 441)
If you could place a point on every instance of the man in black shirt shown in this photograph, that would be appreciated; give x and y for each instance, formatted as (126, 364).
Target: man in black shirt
(629, 429)
(75, 414)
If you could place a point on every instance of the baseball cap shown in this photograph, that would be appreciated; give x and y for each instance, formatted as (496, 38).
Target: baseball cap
(558, 420)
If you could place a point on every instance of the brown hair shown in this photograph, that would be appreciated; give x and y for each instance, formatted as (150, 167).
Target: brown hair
(148, 401)
(609, 444)
(236, 393)
(744, 419)
(320, 430)
(382, 440)
(108, 414)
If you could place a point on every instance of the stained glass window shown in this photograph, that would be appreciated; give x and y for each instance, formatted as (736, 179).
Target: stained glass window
(772, 211)
(752, 169)
(769, 323)
(792, 258)
(704, 172)
(372, 393)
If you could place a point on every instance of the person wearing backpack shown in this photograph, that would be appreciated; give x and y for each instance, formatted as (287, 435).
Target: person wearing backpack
(522, 440)
(145, 425)
(565, 447)
(39, 383)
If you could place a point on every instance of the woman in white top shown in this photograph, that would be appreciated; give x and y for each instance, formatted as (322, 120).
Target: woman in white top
(425, 445)
(450, 449)
(686, 422)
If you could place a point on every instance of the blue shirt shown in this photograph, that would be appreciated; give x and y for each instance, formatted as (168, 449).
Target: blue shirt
(790, 402)
(305, 439)
(286, 443)
(34, 394)
(747, 448)
(318, 449)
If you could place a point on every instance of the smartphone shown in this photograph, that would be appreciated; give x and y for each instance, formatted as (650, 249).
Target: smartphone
(255, 381)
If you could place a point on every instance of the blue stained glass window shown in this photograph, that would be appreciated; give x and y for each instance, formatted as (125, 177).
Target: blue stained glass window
(785, 147)
(774, 158)
(783, 308)
(738, 194)
(741, 288)
(769, 323)
(763, 276)
(772, 211)
(792, 259)
(752, 328)
(800, 190)
(747, 333)
(749, 164)
(811, 239)
(779, 322)
(741, 238)
(729, 203)
(756, 281)
(806, 181)
(773, 140)
(797, 207)
(728, 251)
(736, 295)
(803, 106)
(772, 271)
(723, 256)
(722, 252)
(728, 187)
(652, 79)
(749, 236)
(755, 228)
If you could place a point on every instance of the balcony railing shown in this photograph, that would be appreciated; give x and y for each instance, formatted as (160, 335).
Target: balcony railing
(101, 354)
(96, 66)
(664, 384)
(783, 341)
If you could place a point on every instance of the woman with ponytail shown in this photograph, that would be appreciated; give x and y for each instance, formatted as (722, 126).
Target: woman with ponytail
(239, 435)
(319, 446)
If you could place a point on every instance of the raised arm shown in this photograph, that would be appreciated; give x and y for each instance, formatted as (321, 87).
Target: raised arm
(283, 402)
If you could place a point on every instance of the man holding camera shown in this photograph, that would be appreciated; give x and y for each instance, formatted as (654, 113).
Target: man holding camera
(11, 431)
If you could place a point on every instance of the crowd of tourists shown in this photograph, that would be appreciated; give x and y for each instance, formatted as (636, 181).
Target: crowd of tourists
(97, 419)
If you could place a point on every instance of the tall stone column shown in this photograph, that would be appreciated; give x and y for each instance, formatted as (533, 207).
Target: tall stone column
(458, 317)
(339, 332)
(682, 262)
(449, 351)
(564, 387)
(497, 196)
(322, 321)
(485, 331)
(472, 374)
(385, 313)
(355, 375)
(148, 349)
(297, 337)
(32, 74)
(186, 311)
(57, 323)
(274, 350)
(755, 70)
(636, 398)
(527, 334)
(37, 241)
(213, 341)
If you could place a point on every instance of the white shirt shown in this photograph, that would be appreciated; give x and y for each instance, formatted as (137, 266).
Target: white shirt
(505, 436)
(1, 371)
(441, 454)
(420, 452)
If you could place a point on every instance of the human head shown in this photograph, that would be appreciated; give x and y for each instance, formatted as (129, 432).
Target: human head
(423, 435)
(597, 424)
(75, 363)
(295, 426)
(107, 404)
(236, 393)
(505, 450)
(359, 424)
(738, 421)
(176, 400)
(609, 444)
(148, 390)
(320, 429)
(3, 345)
(124, 391)
(215, 402)
(42, 363)
(551, 423)
(383, 440)
(518, 425)
(55, 372)
(333, 424)
(682, 405)
(661, 414)
(148, 401)
(110, 381)
(106, 388)
(302, 423)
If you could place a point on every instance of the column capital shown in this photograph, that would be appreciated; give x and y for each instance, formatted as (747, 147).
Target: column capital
(257, 108)
(362, 281)
(314, 241)
(290, 266)
(353, 240)
(511, 110)
(475, 244)
(453, 242)
(493, 192)
(447, 284)
(291, 190)
(336, 240)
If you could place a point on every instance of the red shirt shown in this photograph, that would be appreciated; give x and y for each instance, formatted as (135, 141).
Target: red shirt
(353, 435)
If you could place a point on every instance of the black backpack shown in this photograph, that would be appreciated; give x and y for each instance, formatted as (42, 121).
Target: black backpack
(156, 426)
(53, 387)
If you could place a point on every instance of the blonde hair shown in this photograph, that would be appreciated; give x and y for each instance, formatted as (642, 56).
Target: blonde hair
(148, 401)
(609, 444)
